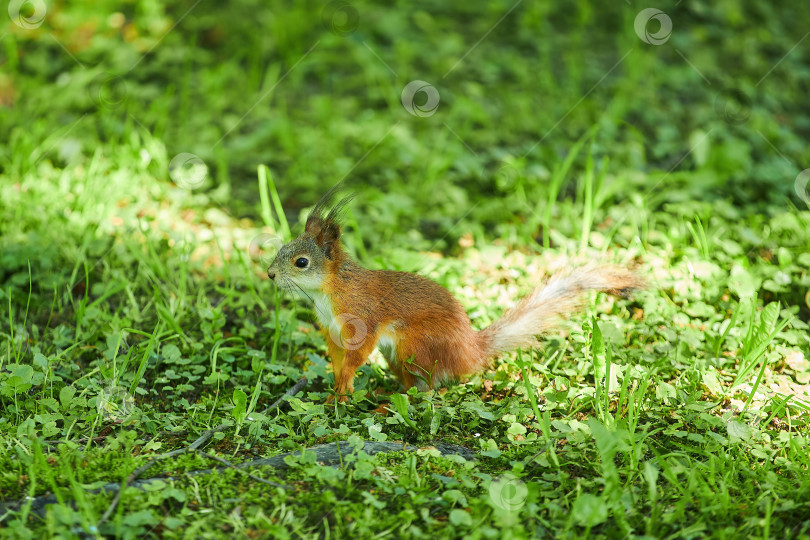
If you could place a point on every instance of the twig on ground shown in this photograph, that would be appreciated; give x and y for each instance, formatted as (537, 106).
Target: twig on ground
(331, 454)
(193, 447)
(134, 475)
(297, 387)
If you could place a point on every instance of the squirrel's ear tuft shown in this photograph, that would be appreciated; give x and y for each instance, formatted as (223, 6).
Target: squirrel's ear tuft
(336, 213)
(325, 229)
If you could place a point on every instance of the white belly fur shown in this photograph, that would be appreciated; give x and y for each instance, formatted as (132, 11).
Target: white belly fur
(323, 309)
(327, 318)
(385, 344)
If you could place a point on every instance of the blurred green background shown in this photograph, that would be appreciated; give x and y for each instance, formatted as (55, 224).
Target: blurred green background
(313, 90)
(152, 152)
(704, 116)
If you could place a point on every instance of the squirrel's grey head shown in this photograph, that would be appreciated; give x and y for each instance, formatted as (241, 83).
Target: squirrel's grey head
(304, 263)
(299, 264)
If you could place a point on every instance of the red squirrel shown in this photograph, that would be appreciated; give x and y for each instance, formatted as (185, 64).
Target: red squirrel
(421, 329)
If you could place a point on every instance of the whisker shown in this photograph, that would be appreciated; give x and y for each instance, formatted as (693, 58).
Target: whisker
(321, 315)
(305, 293)
(287, 286)
(299, 294)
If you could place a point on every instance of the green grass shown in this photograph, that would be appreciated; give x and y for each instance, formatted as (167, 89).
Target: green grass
(136, 313)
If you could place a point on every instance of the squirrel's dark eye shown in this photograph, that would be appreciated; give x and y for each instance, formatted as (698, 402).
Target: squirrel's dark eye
(302, 262)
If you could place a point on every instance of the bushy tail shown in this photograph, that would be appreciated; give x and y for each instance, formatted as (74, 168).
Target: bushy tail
(560, 296)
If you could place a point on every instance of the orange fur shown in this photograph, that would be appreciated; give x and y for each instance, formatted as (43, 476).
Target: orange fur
(429, 325)
(423, 327)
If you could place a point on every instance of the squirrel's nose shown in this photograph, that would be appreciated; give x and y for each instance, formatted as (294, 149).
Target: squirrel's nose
(271, 275)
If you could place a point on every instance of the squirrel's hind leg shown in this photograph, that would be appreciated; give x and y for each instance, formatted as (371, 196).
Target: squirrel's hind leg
(417, 366)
